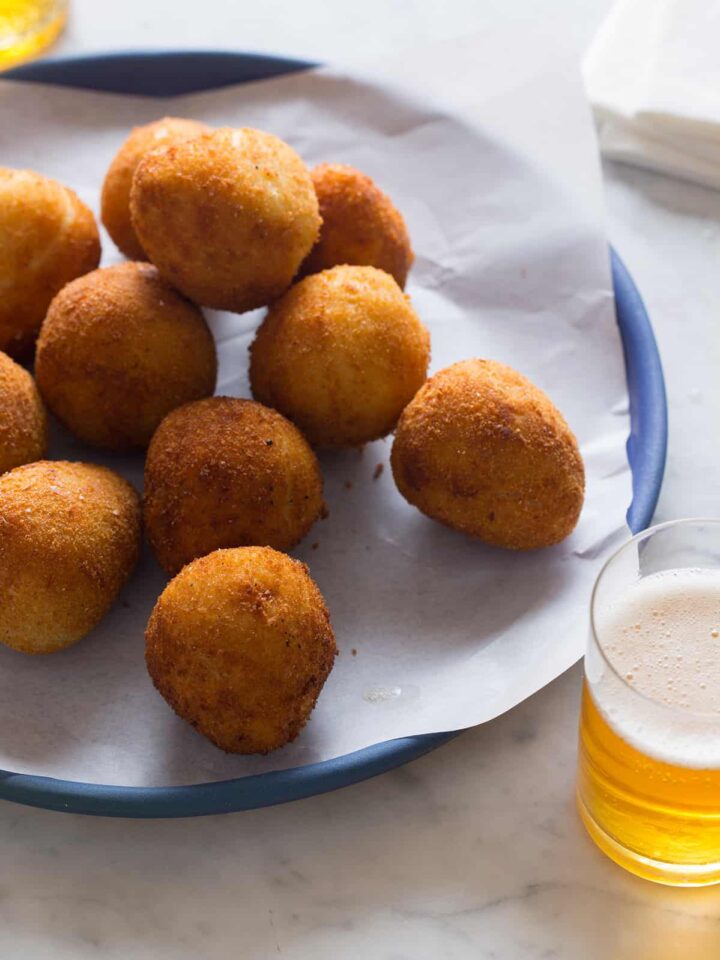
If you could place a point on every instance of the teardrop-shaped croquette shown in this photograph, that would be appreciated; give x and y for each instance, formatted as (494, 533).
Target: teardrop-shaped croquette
(47, 238)
(226, 472)
(340, 355)
(240, 645)
(483, 450)
(69, 539)
(119, 349)
(227, 217)
(360, 224)
(23, 424)
(118, 180)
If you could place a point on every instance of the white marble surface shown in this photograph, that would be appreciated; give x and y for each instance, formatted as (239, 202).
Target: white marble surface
(475, 850)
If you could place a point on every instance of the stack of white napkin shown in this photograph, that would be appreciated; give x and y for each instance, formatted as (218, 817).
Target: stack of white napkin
(653, 78)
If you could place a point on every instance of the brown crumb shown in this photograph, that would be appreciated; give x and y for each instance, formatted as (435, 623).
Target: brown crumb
(315, 546)
(324, 512)
(348, 484)
(377, 472)
(353, 652)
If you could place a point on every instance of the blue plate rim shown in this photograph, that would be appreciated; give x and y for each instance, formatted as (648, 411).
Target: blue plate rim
(170, 72)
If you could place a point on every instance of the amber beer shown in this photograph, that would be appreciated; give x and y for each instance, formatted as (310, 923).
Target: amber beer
(649, 757)
(27, 27)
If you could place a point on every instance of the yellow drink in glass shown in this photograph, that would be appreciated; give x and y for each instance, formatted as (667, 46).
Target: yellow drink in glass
(649, 756)
(27, 27)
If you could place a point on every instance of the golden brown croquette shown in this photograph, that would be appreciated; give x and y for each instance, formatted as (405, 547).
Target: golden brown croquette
(69, 539)
(115, 202)
(120, 349)
(23, 424)
(227, 217)
(47, 238)
(240, 645)
(340, 355)
(226, 472)
(485, 451)
(360, 224)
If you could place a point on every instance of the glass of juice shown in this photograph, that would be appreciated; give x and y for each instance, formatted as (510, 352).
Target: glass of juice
(27, 27)
(649, 756)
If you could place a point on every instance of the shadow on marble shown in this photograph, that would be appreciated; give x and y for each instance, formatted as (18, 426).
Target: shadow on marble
(674, 195)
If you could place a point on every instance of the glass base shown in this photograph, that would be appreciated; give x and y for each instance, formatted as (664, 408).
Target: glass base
(670, 874)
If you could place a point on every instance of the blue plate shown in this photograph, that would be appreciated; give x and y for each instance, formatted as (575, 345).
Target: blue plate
(169, 74)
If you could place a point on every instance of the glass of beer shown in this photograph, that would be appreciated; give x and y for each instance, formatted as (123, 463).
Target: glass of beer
(27, 27)
(649, 755)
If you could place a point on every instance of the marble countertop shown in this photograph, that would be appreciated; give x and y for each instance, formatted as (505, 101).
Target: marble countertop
(474, 851)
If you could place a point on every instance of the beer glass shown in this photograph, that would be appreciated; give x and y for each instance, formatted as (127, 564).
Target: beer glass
(649, 754)
(27, 27)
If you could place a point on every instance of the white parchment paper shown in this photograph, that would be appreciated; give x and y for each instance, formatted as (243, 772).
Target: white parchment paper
(487, 147)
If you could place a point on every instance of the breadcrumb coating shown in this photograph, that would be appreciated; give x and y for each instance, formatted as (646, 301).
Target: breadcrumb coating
(360, 224)
(227, 217)
(239, 645)
(226, 472)
(69, 539)
(119, 350)
(340, 355)
(47, 238)
(115, 200)
(485, 451)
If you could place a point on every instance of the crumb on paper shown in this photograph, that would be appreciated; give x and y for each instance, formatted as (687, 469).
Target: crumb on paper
(354, 651)
(315, 545)
(377, 472)
(324, 512)
(348, 484)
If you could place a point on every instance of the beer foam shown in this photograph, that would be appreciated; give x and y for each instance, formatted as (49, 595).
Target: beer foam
(662, 637)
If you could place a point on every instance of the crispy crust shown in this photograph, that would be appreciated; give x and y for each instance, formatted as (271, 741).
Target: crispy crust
(69, 539)
(227, 217)
(239, 645)
(115, 200)
(483, 450)
(23, 423)
(226, 472)
(360, 224)
(120, 349)
(47, 238)
(340, 355)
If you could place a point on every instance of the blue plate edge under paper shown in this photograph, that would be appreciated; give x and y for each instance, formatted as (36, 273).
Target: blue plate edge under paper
(169, 73)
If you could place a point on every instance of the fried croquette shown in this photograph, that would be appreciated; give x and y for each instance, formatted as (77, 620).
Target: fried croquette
(23, 424)
(239, 645)
(226, 472)
(115, 201)
(120, 349)
(340, 355)
(69, 539)
(47, 238)
(483, 450)
(360, 224)
(227, 217)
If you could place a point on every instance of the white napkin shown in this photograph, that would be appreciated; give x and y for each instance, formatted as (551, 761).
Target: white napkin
(653, 77)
